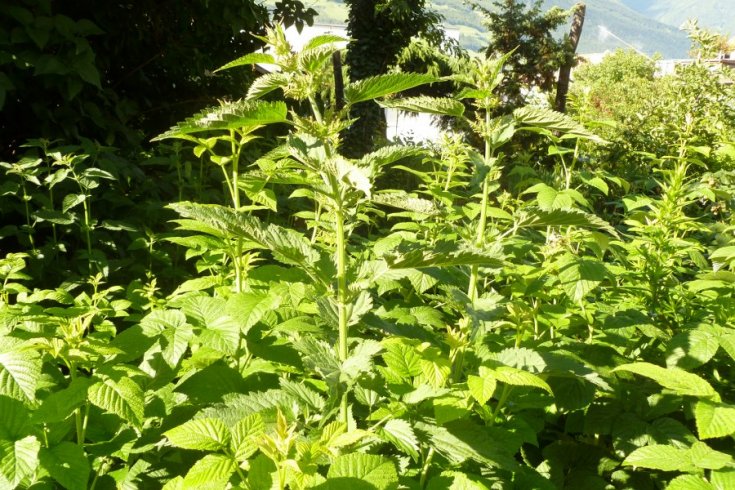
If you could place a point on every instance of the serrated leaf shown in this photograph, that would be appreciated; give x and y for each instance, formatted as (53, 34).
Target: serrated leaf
(420, 258)
(675, 379)
(323, 40)
(212, 472)
(435, 371)
(207, 434)
(402, 359)
(13, 419)
(401, 434)
(537, 218)
(20, 370)
(481, 388)
(689, 350)
(230, 115)
(245, 436)
(550, 120)
(266, 84)
(249, 308)
(61, 404)
(67, 464)
(382, 85)
(660, 457)
(122, 397)
(518, 377)
(689, 482)
(18, 459)
(714, 419)
(72, 200)
(248, 59)
(456, 480)
(442, 106)
(390, 154)
(370, 468)
(704, 457)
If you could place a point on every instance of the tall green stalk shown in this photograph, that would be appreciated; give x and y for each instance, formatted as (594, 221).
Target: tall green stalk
(480, 237)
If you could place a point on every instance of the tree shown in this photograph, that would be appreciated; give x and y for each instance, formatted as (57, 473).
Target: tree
(380, 30)
(529, 34)
(120, 72)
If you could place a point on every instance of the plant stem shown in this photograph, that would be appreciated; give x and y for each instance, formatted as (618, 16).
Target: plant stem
(426, 467)
(87, 234)
(342, 298)
(480, 238)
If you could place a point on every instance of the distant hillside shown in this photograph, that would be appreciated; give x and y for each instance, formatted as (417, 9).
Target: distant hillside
(628, 24)
(716, 14)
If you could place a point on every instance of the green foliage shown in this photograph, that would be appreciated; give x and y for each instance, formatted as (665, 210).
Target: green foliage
(502, 323)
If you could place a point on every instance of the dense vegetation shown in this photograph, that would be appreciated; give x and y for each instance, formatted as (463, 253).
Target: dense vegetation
(240, 305)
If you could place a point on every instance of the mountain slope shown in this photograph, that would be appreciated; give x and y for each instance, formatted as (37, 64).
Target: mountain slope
(627, 24)
(716, 14)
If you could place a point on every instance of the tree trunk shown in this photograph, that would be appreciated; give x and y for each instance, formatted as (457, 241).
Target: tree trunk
(562, 87)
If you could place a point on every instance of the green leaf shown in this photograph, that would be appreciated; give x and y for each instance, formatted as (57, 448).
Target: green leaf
(14, 419)
(481, 387)
(123, 397)
(660, 457)
(20, 370)
(18, 459)
(322, 40)
(72, 200)
(724, 479)
(538, 117)
(390, 154)
(248, 59)
(518, 377)
(230, 115)
(714, 419)
(203, 434)
(402, 359)
(245, 436)
(212, 472)
(249, 308)
(704, 457)
(579, 276)
(61, 404)
(442, 106)
(689, 350)
(370, 468)
(420, 258)
(382, 85)
(266, 84)
(401, 434)
(723, 254)
(689, 482)
(456, 480)
(461, 443)
(538, 218)
(675, 379)
(673, 458)
(67, 464)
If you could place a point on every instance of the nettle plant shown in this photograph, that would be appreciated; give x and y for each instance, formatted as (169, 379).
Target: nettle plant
(345, 335)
